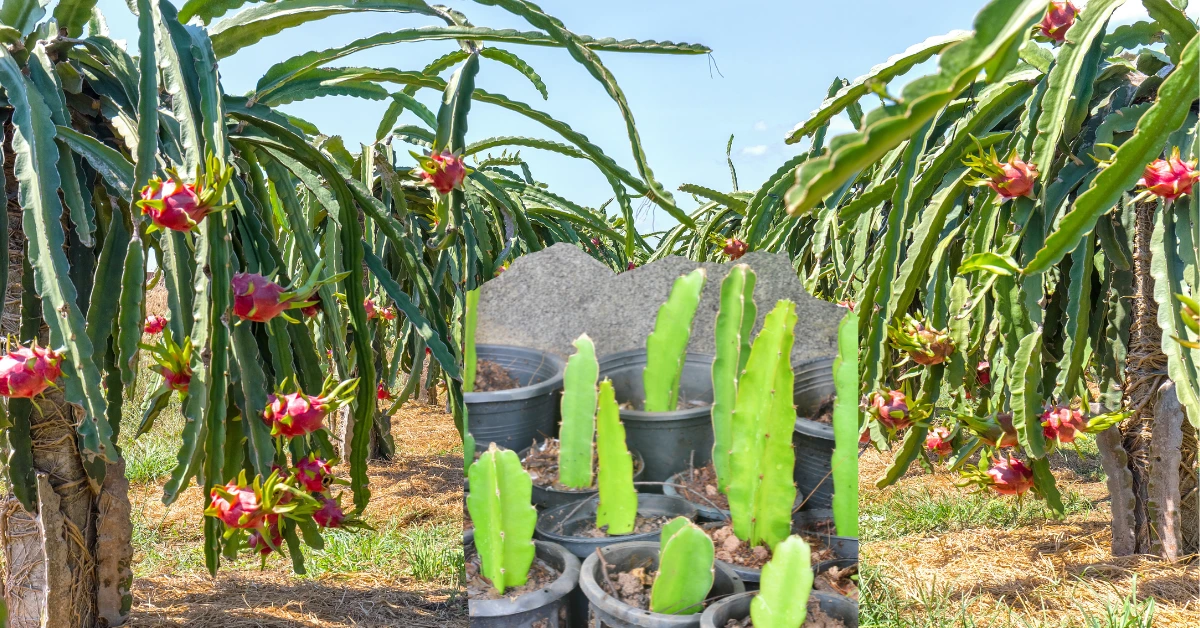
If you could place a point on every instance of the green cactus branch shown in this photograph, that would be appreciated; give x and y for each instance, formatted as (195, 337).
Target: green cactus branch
(666, 346)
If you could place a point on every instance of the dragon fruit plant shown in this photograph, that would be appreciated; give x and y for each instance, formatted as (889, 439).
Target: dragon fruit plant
(666, 346)
(179, 206)
(504, 518)
(734, 327)
(685, 569)
(26, 372)
(297, 414)
(258, 299)
(784, 586)
(921, 343)
(578, 409)
(174, 361)
(616, 511)
(256, 507)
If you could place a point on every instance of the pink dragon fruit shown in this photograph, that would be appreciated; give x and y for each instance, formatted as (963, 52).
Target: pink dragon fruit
(444, 171)
(369, 306)
(937, 442)
(256, 298)
(382, 393)
(1062, 424)
(258, 543)
(154, 324)
(330, 515)
(1010, 477)
(177, 380)
(1000, 432)
(295, 414)
(1059, 19)
(734, 248)
(313, 473)
(923, 344)
(27, 371)
(890, 409)
(172, 205)
(310, 311)
(236, 505)
(630, 266)
(387, 314)
(1171, 178)
(1011, 179)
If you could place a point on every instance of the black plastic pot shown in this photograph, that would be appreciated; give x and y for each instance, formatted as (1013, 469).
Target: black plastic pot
(549, 606)
(669, 441)
(704, 511)
(813, 441)
(558, 525)
(513, 418)
(738, 607)
(805, 522)
(840, 563)
(609, 612)
(545, 497)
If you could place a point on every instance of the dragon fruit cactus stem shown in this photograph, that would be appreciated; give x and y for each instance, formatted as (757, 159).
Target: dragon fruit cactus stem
(666, 346)
(499, 504)
(578, 430)
(734, 327)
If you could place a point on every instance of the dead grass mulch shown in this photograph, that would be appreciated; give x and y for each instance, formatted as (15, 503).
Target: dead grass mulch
(1041, 573)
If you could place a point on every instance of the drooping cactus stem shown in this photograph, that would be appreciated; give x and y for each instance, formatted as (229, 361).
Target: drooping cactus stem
(503, 516)
(685, 569)
(761, 491)
(617, 510)
(735, 321)
(578, 416)
(666, 346)
(786, 582)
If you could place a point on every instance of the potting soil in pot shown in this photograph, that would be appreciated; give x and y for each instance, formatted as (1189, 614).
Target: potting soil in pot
(702, 481)
(641, 525)
(824, 413)
(490, 377)
(541, 575)
(732, 550)
(633, 587)
(838, 580)
(542, 464)
(814, 618)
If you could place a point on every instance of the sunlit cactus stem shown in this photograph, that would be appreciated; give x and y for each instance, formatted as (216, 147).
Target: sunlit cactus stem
(685, 569)
(761, 491)
(504, 518)
(617, 510)
(666, 346)
(784, 587)
(578, 416)
(735, 323)
(846, 413)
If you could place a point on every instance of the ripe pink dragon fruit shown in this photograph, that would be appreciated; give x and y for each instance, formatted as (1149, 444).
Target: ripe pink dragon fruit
(1170, 178)
(259, 544)
(27, 371)
(313, 472)
(295, 414)
(177, 380)
(937, 441)
(1059, 19)
(444, 171)
(1016, 181)
(172, 205)
(330, 514)
(154, 324)
(256, 298)
(310, 311)
(630, 266)
(382, 393)
(236, 505)
(983, 373)
(369, 306)
(1010, 477)
(923, 344)
(388, 314)
(734, 248)
(1062, 424)
(1000, 432)
(890, 409)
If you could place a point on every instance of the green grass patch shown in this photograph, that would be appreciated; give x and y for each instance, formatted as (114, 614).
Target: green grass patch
(902, 512)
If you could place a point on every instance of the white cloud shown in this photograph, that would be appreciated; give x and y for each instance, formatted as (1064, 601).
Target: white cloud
(760, 126)
(756, 151)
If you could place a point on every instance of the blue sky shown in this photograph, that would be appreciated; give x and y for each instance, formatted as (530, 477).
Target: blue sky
(776, 59)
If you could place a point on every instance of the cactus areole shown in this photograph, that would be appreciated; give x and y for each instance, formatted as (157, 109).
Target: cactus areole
(27, 371)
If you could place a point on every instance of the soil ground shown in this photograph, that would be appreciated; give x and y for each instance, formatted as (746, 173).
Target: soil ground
(404, 573)
(936, 555)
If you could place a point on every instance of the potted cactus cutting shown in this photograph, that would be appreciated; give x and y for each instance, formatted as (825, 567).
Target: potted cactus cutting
(563, 468)
(618, 512)
(656, 584)
(786, 598)
(665, 392)
(510, 577)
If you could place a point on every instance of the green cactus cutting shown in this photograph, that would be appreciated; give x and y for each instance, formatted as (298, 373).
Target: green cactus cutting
(846, 417)
(666, 346)
(786, 582)
(504, 518)
(735, 323)
(618, 498)
(685, 569)
(761, 491)
(578, 416)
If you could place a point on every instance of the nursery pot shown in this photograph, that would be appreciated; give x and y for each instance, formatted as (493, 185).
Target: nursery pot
(545, 497)
(704, 511)
(549, 606)
(669, 441)
(806, 522)
(609, 612)
(813, 441)
(559, 525)
(513, 418)
(738, 607)
(845, 548)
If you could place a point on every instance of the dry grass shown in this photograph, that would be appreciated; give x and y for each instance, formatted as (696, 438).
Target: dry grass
(1037, 572)
(420, 490)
